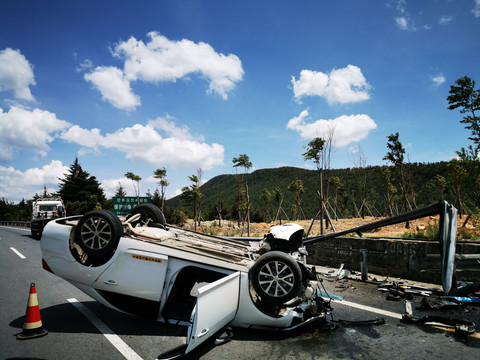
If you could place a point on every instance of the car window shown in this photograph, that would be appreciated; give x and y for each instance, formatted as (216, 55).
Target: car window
(47, 208)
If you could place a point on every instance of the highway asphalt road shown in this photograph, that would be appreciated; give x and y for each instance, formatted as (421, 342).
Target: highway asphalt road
(80, 328)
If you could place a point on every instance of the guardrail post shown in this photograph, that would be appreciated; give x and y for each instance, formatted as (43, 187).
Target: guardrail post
(363, 264)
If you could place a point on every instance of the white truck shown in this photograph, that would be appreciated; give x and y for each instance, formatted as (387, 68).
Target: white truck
(43, 211)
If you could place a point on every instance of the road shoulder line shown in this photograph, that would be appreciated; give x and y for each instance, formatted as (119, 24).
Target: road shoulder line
(114, 339)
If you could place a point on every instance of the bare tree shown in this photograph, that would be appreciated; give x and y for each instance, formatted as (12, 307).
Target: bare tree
(389, 188)
(243, 161)
(296, 187)
(278, 196)
(192, 196)
(135, 179)
(458, 174)
(335, 183)
(320, 152)
(161, 175)
(396, 157)
(219, 205)
(265, 197)
(360, 162)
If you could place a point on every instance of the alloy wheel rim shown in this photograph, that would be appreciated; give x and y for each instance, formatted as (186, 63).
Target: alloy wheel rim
(276, 278)
(96, 233)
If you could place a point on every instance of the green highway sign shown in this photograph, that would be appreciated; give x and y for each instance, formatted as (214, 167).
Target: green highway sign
(122, 205)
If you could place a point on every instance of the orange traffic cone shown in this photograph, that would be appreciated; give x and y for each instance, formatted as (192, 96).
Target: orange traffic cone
(32, 327)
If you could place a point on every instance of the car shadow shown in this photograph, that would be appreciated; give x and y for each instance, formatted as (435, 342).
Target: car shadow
(65, 318)
(30, 236)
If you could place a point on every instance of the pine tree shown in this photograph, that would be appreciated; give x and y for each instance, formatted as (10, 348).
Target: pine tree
(80, 191)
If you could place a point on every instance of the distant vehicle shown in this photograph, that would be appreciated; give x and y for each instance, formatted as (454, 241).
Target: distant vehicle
(43, 211)
(143, 266)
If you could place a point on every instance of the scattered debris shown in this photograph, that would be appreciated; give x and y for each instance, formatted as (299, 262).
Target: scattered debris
(341, 273)
(326, 295)
(460, 326)
(397, 291)
(468, 300)
(439, 303)
(377, 321)
(465, 290)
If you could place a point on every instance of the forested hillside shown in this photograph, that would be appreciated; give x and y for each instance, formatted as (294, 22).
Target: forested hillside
(427, 183)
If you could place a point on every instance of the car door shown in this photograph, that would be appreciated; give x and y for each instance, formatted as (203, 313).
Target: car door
(217, 305)
(135, 273)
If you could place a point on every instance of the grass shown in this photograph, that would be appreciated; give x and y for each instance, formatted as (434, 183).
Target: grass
(430, 231)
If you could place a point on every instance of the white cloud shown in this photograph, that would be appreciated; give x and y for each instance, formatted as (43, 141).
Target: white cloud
(438, 80)
(176, 192)
(164, 60)
(347, 128)
(28, 130)
(110, 186)
(344, 85)
(146, 144)
(115, 88)
(88, 138)
(16, 74)
(400, 5)
(445, 20)
(405, 23)
(476, 8)
(171, 129)
(34, 130)
(403, 20)
(86, 65)
(161, 59)
(31, 181)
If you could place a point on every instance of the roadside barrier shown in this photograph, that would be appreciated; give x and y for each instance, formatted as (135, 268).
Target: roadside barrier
(15, 223)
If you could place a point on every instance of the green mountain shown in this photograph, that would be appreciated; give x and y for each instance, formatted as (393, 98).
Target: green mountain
(348, 196)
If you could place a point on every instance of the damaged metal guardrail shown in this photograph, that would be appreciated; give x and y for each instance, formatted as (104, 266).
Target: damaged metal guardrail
(15, 223)
(448, 231)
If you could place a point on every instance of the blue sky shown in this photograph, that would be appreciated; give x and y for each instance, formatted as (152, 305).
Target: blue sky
(133, 86)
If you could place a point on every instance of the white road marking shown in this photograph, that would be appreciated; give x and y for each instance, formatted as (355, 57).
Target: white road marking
(17, 228)
(18, 253)
(371, 309)
(114, 339)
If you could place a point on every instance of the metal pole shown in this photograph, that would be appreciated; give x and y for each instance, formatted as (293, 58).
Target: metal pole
(363, 264)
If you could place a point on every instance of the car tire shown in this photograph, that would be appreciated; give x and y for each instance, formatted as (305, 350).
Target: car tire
(276, 277)
(150, 214)
(98, 232)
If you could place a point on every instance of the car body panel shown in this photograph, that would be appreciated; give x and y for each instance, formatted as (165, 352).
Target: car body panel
(249, 315)
(136, 273)
(56, 252)
(217, 305)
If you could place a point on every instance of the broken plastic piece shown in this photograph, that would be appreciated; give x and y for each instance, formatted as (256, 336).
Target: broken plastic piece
(462, 327)
(378, 321)
(408, 309)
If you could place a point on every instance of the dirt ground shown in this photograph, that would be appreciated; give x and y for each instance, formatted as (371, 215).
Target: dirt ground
(424, 225)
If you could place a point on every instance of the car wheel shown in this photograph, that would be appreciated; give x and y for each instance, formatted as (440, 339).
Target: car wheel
(276, 277)
(149, 214)
(98, 232)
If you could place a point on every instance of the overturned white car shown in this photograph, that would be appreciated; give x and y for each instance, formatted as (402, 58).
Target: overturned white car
(142, 266)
